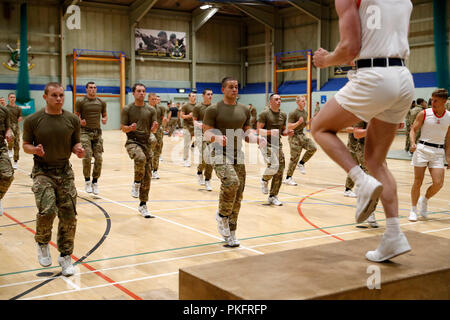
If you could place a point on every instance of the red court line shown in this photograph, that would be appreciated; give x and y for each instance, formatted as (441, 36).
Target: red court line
(312, 224)
(103, 276)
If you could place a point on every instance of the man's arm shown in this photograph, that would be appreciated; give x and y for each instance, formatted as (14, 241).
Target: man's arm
(31, 149)
(414, 128)
(209, 134)
(350, 37)
(447, 148)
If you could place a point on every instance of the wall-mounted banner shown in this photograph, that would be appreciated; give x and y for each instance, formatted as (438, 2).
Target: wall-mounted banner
(161, 43)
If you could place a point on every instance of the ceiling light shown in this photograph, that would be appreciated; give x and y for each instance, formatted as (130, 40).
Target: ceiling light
(205, 6)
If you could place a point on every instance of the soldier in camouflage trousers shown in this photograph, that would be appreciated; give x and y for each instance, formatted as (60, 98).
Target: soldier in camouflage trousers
(297, 121)
(6, 169)
(52, 135)
(356, 148)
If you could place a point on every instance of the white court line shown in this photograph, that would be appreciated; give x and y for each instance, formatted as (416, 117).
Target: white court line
(121, 267)
(173, 222)
(172, 273)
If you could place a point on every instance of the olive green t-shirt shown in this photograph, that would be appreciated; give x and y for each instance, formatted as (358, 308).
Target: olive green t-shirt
(187, 108)
(225, 117)
(91, 110)
(273, 120)
(294, 116)
(4, 124)
(199, 111)
(57, 134)
(15, 112)
(143, 117)
(159, 113)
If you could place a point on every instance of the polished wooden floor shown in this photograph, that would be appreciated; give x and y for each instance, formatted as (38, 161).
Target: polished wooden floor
(124, 256)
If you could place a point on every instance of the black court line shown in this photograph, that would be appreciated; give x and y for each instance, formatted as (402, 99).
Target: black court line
(99, 243)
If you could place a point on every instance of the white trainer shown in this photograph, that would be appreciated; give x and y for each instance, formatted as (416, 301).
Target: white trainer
(135, 189)
(264, 186)
(350, 194)
(187, 163)
(95, 188)
(423, 206)
(290, 182)
(222, 225)
(14, 165)
(368, 193)
(208, 185)
(1, 208)
(372, 221)
(301, 168)
(389, 248)
(155, 175)
(44, 257)
(412, 216)
(232, 241)
(274, 200)
(144, 211)
(201, 179)
(66, 265)
(88, 187)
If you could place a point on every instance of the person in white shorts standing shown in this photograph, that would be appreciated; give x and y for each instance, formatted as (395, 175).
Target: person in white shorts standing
(374, 37)
(430, 150)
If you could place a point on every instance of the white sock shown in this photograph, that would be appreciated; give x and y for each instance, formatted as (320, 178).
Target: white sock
(392, 227)
(356, 174)
(414, 209)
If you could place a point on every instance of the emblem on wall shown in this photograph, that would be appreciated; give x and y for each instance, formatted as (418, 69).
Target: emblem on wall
(13, 63)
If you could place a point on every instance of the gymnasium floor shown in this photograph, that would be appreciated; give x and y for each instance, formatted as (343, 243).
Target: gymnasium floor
(124, 256)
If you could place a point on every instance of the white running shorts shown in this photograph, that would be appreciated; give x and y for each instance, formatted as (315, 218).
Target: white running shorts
(382, 93)
(426, 156)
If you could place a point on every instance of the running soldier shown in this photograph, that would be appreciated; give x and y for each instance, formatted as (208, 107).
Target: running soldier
(6, 169)
(272, 123)
(188, 126)
(15, 116)
(225, 124)
(52, 135)
(138, 120)
(158, 135)
(90, 110)
(173, 118)
(204, 165)
(297, 121)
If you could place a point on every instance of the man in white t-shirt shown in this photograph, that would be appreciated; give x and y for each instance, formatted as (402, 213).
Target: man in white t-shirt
(374, 37)
(430, 150)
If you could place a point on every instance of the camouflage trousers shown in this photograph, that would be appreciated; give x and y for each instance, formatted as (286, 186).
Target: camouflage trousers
(357, 152)
(274, 158)
(205, 164)
(142, 167)
(172, 125)
(297, 143)
(407, 141)
(6, 171)
(55, 194)
(232, 184)
(188, 134)
(92, 142)
(15, 143)
(157, 149)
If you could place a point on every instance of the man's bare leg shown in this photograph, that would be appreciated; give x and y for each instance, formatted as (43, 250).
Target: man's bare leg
(324, 128)
(379, 138)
